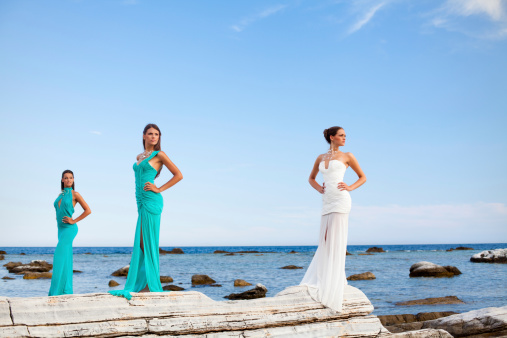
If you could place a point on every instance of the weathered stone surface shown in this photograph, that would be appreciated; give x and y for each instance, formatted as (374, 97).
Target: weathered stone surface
(33, 266)
(202, 280)
(166, 279)
(375, 249)
(258, 292)
(241, 282)
(428, 269)
(9, 266)
(113, 283)
(388, 320)
(5, 313)
(291, 267)
(432, 301)
(123, 272)
(176, 251)
(172, 287)
(292, 312)
(362, 276)
(488, 320)
(490, 256)
(37, 275)
(426, 333)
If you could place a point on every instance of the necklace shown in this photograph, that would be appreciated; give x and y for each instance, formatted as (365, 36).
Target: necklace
(144, 155)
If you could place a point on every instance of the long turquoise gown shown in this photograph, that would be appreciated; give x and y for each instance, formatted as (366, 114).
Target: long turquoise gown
(61, 281)
(144, 266)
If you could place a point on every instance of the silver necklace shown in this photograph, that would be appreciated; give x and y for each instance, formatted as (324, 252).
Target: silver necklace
(144, 155)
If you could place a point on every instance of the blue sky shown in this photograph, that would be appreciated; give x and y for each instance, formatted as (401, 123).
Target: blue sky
(242, 92)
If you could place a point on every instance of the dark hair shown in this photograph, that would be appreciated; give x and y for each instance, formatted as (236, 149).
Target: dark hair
(67, 172)
(157, 146)
(330, 132)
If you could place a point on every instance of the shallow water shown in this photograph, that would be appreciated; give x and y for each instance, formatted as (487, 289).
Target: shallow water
(481, 285)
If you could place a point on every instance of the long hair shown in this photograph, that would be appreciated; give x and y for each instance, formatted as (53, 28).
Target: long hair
(157, 146)
(63, 174)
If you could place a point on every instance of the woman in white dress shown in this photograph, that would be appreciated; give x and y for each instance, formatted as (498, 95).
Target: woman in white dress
(326, 273)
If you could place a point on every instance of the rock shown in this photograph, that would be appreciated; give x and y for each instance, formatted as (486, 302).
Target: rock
(166, 279)
(87, 253)
(432, 301)
(241, 282)
(202, 280)
(2, 252)
(348, 254)
(172, 288)
(293, 252)
(425, 333)
(33, 266)
(291, 267)
(375, 249)
(428, 269)
(366, 254)
(7, 277)
(221, 252)
(460, 248)
(176, 251)
(22, 254)
(215, 285)
(2, 257)
(9, 266)
(37, 275)
(258, 292)
(484, 321)
(490, 256)
(248, 251)
(388, 320)
(291, 313)
(362, 276)
(77, 271)
(123, 272)
(230, 254)
(113, 283)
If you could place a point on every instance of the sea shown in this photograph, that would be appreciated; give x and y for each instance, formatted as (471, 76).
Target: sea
(479, 286)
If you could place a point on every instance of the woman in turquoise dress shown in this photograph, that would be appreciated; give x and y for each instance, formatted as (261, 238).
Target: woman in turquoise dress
(144, 265)
(61, 280)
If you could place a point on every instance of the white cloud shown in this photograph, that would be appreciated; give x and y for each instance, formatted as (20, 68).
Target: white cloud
(95, 132)
(456, 15)
(365, 18)
(253, 18)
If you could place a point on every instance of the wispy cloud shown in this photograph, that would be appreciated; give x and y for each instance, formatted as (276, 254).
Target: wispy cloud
(95, 132)
(365, 18)
(239, 27)
(457, 15)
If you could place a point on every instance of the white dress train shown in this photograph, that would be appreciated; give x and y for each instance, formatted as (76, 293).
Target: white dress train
(325, 276)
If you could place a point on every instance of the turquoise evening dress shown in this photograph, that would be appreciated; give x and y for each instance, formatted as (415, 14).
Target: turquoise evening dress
(61, 281)
(144, 267)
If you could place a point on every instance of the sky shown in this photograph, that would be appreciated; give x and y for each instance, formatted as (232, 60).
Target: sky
(242, 92)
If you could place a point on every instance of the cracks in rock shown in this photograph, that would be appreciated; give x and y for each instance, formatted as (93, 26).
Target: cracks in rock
(10, 311)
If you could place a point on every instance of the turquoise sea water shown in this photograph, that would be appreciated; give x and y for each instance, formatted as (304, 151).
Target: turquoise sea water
(481, 285)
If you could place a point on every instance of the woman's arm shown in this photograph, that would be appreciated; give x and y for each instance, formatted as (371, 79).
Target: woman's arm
(355, 166)
(84, 205)
(177, 176)
(313, 175)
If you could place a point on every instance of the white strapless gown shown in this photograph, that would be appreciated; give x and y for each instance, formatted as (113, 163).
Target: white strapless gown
(325, 276)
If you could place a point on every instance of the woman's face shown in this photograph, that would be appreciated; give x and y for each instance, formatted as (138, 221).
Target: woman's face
(151, 137)
(68, 180)
(339, 139)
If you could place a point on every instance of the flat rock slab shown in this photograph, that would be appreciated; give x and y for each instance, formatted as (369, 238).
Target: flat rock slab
(490, 256)
(433, 301)
(292, 312)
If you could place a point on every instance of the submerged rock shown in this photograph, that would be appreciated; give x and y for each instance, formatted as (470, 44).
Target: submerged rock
(221, 252)
(166, 279)
(175, 251)
(428, 269)
(375, 249)
(291, 267)
(433, 301)
(293, 252)
(490, 256)
(113, 283)
(460, 248)
(258, 292)
(202, 280)
(2, 252)
(123, 272)
(2, 257)
(362, 276)
(7, 277)
(37, 275)
(172, 288)
(241, 282)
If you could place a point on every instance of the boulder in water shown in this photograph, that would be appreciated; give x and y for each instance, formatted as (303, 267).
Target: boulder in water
(258, 292)
(490, 256)
(362, 276)
(428, 269)
(166, 279)
(291, 267)
(37, 275)
(172, 288)
(241, 282)
(375, 249)
(113, 283)
(123, 272)
(433, 301)
(202, 280)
